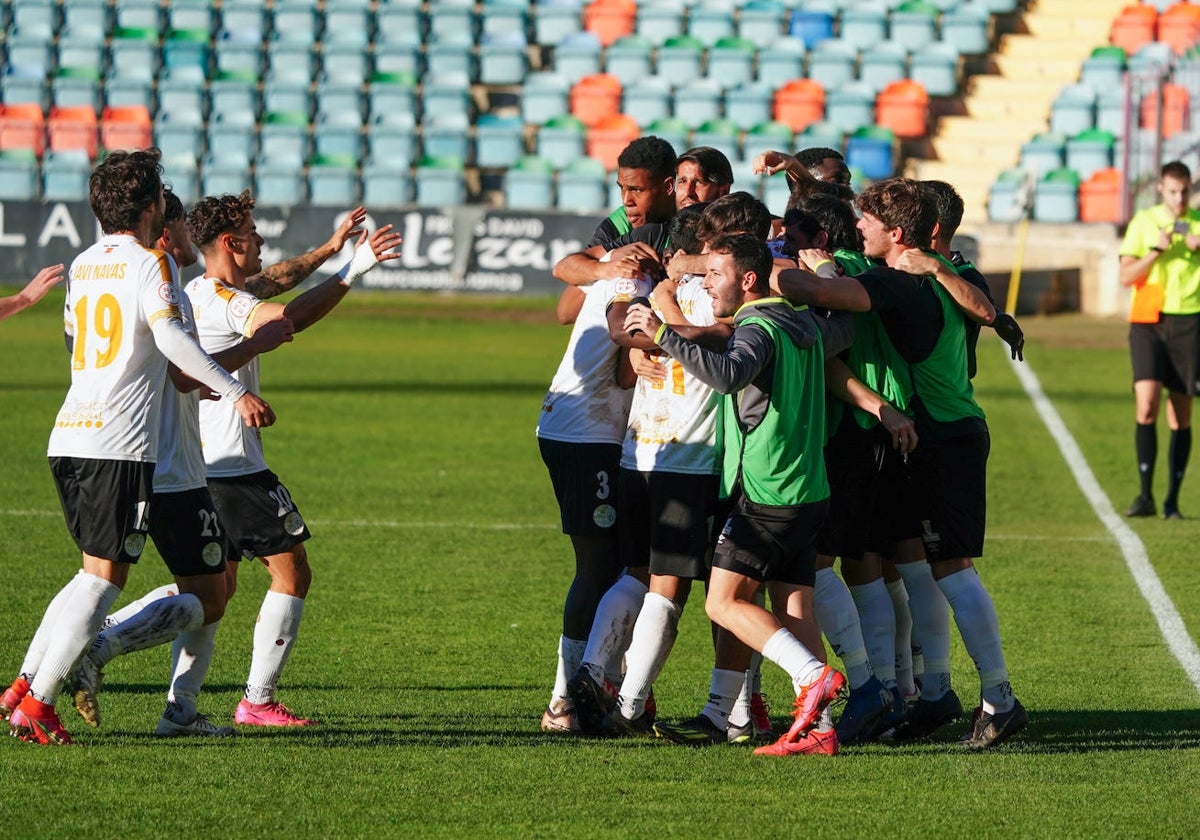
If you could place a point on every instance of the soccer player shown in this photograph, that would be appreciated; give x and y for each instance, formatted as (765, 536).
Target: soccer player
(702, 174)
(34, 291)
(772, 428)
(255, 508)
(125, 325)
(184, 526)
(948, 470)
(1160, 256)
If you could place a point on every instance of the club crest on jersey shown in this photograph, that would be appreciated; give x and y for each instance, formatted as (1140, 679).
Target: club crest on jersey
(134, 544)
(625, 286)
(211, 554)
(169, 294)
(604, 516)
(241, 305)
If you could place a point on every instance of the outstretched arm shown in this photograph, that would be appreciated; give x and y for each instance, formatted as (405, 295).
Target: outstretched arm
(970, 299)
(34, 291)
(281, 277)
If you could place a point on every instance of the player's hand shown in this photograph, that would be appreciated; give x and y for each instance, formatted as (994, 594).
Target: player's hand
(1007, 328)
(809, 257)
(665, 291)
(901, 429)
(916, 261)
(42, 282)
(770, 162)
(347, 228)
(647, 367)
(1164, 237)
(383, 241)
(255, 411)
(627, 260)
(642, 319)
(273, 333)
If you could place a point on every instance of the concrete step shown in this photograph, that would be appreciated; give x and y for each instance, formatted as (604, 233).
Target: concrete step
(1053, 71)
(1017, 129)
(1034, 48)
(990, 86)
(978, 152)
(982, 108)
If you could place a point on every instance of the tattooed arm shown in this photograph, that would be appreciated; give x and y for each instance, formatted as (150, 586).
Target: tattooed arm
(288, 274)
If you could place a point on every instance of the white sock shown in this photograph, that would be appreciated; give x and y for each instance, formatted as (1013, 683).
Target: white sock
(723, 691)
(931, 626)
(975, 615)
(134, 607)
(838, 620)
(78, 622)
(611, 629)
(570, 654)
(274, 636)
(191, 655)
(904, 653)
(786, 651)
(653, 637)
(878, 623)
(740, 714)
(155, 624)
(41, 638)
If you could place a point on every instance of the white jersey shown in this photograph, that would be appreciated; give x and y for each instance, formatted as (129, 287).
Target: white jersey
(180, 457)
(116, 291)
(224, 316)
(585, 404)
(673, 423)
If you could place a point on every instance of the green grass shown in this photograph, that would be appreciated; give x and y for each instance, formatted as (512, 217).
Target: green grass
(427, 652)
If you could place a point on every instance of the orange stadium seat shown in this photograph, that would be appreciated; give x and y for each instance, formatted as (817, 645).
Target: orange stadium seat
(126, 127)
(23, 126)
(595, 97)
(800, 103)
(1175, 109)
(1100, 197)
(1179, 26)
(1133, 27)
(610, 19)
(73, 128)
(903, 106)
(607, 138)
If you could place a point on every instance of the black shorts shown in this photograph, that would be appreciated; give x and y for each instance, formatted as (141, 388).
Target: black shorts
(584, 476)
(258, 514)
(853, 460)
(106, 505)
(771, 543)
(665, 521)
(894, 513)
(1167, 352)
(187, 533)
(949, 482)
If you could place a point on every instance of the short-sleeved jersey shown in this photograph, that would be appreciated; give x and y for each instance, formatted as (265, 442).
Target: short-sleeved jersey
(223, 317)
(585, 404)
(673, 423)
(116, 291)
(1178, 269)
(180, 463)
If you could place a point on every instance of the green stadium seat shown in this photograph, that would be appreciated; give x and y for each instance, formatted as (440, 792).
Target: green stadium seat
(333, 181)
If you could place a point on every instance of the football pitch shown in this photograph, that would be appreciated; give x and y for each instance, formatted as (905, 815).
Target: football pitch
(427, 653)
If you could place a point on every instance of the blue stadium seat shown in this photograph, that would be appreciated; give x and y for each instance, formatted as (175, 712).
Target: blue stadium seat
(864, 25)
(231, 140)
(850, 106)
(500, 17)
(710, 21)
(65, 176)
(502, 58)
(554, 20)
(278, 184)
(386, 185)
(447, 135)
(219, 176)
(440, 182)
(138, 14)
(347, 22)
(832, 63)
(392, 140)
(629, 59)
(76, 86)
(883, 64)
(228, 93)
(966, 26)
(577, 55)
(761, 22)
(750, 104)
(446, 94)
(872, 150)
(283, 138)
(935, 66)
(1073, 110)
(344, 62)
(583, 186)
(338, 136)
(529, 184)
(698, 102)
(499, 141)
(781, 61)
(294, 23)
(333, 182)
(812, 26)
(543, 96)
(659, 21)
(18, 175)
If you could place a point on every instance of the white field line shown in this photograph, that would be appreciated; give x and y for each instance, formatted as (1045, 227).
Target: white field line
(1170, 624)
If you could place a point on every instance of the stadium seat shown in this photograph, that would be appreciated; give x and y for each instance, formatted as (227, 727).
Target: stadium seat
(914, 24)
(288, 62)
(577, 55)
(447, 135)
(863, 25)
(1176, 107)
(767, 136)
(648, 100)
(398, 59)
(903, 107)
(1179, 27)
(499, 140)
(781, 61)
(87, 19)
(750, 104)
(84, 53)
(133, 53)
(832, 63)
(1090, 151)
(283, 138)
(610, 19)
(731, 61)
(451, 20)
(243, 20)
(340, 100)
(709, 21)
(1043, 153)
(65, 176)
(392, 140)
(294, 24)
(138, 14)
(659, 21)
(231, 140)
(1133, 26)
(607, 139)
(823, 134)
(178, 140)
(18, 175)
(1008, 196)
(338, 136)
(680, 59)
(698, 102)
(872, 150)
(671, 129)
(583, 186)
(850, 106)
(75, 86)
(499, 17)
(628, 59)
(451, 57)
(1152, 57)
(1100, 197)
(502, 59)
(544, 95)
(596, 97)
(221, 175)
(811, 26)
(73, 128)
(287, 96)
(24, 84)
(183, 177)
(119, 93)
(125, 128)
(1103, 68)
(799, 103)
(529, 184)
(344, 62)
(440, 182)
(386, 185)
(346, 24)
(1110, 111)
(278, 183)
(761, 22)
(23, 127)
(234, 55)
(187, 48)
(720, 134)
(1056, 197)
(561, 140)
(333, 181)
(191, 15)
(233, 92)
(554, 20)
(935, 68)
(1073, 110)
(966, 26)
(446, 94)
(776, 192)
(883, 64)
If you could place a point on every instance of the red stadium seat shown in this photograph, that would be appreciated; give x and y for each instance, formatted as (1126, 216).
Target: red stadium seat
(73, 128)
(23, 126)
